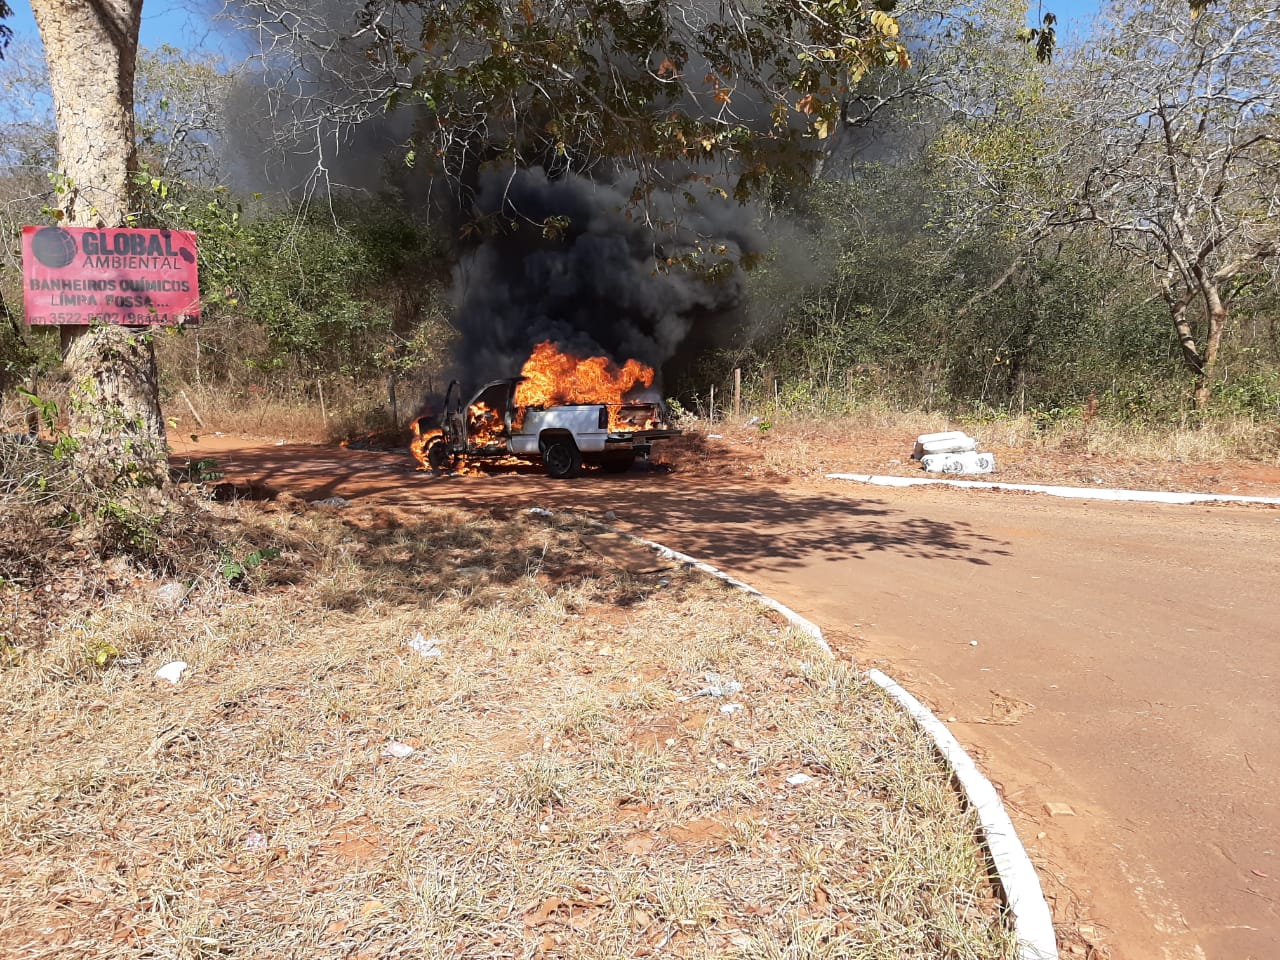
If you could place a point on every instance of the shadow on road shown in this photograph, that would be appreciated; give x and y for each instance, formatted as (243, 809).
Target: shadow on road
(748, 525)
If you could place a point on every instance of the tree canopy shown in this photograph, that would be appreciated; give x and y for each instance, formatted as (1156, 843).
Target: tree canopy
(667, 88)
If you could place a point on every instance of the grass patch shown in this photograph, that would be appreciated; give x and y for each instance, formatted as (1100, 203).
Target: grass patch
(570, 792)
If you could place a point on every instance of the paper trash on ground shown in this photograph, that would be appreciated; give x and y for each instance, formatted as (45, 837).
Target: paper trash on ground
(424, 646)
(172, 671)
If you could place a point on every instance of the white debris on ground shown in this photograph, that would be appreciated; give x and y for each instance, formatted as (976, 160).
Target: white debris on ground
(953, 452)
(425, 646)
(397, 750)
(255, 842)
(172, 671)
(719, 686)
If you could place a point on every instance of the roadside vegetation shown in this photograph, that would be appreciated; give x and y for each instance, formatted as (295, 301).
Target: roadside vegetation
(456, 734)
(906, 220)
(936, 257)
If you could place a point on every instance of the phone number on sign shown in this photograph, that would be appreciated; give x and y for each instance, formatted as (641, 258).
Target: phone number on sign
(123, 319)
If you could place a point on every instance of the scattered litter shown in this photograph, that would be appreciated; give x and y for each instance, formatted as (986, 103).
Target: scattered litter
(718, 686)
(397, 749)
(255, 842)
(172, 671)
(799, 779)
(664, 582)
(1054, 809)
(281, 443)
(753, 421)
(729, 709)
(334, 501)
(539, 512)
(973, 643)
(715, 436)
(424, 646)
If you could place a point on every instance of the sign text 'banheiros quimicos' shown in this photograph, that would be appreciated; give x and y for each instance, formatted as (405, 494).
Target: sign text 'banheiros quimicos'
(82, 275)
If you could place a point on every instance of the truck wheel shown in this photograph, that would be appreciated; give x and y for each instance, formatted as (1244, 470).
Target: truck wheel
(561, 457)
(438, 456)
(618, 462)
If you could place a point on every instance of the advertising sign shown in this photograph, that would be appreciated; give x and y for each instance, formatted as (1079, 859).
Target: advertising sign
(135, 278)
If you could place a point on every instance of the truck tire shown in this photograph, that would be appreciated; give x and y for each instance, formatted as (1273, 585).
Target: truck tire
(438, 457)
(561, 457)
(618, 462)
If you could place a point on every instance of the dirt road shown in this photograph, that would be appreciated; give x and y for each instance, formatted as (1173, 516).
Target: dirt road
(1126, 665)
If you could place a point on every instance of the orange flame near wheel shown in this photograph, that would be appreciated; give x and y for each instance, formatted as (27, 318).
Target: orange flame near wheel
(420, 442)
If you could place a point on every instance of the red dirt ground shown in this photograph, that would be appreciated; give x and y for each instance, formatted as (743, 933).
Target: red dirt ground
(1126, 664)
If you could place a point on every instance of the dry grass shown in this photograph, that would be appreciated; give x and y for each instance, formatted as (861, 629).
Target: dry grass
(569, 793)
(346, 413)
(1218, 440)
(1223, 455)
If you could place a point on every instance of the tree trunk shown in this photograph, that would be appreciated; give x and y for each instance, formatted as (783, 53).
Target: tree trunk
(91, 47)
(1186, 339)
(1212, 342)
(115, 409)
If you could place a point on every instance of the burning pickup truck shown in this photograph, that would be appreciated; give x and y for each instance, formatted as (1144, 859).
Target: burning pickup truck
(562, 411)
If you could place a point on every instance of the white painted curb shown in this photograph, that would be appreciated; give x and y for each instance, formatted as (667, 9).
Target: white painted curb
(800, 623)
(1074, 493)
(1032, 919)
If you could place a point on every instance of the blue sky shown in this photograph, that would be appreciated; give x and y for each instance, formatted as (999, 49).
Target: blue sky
(189, 24)
(186, 24)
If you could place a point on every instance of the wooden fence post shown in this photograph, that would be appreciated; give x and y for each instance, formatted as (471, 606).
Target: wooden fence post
(737, 393)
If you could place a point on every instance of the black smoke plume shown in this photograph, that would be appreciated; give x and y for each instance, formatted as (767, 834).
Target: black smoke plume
(589, 270)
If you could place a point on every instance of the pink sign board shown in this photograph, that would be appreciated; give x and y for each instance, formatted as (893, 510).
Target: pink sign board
(135, 278)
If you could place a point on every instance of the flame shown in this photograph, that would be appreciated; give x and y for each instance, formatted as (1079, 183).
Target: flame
(484, 425)
(420, 442)
(554, 377)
